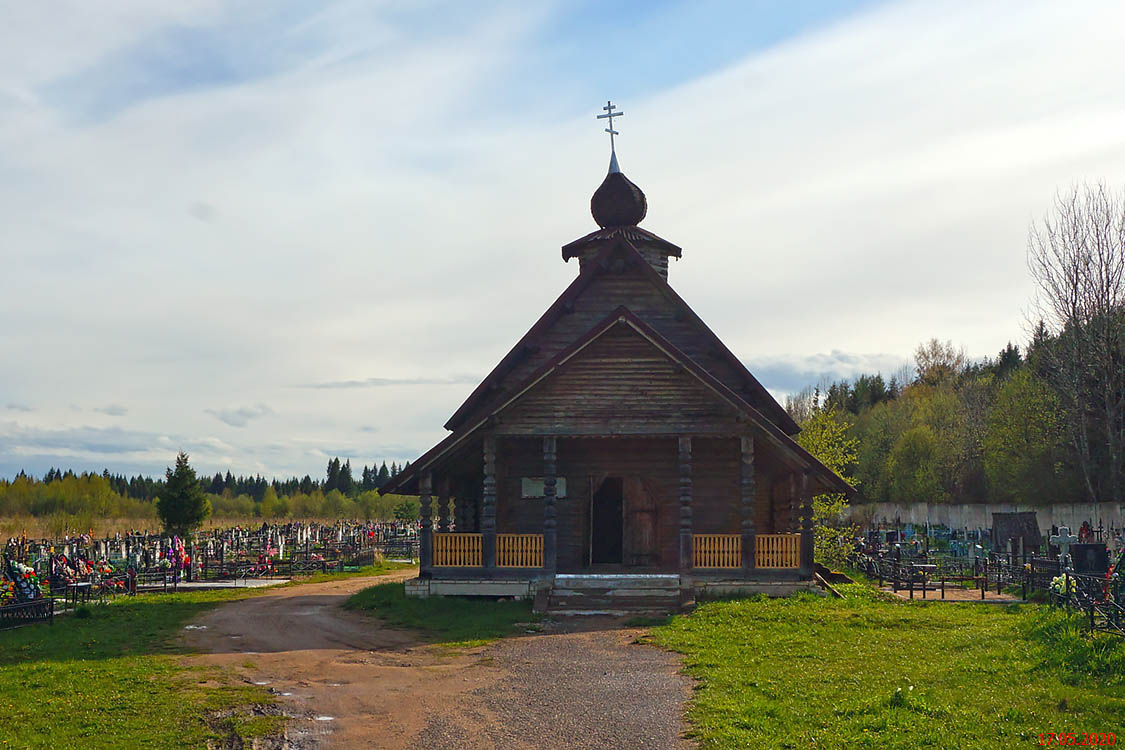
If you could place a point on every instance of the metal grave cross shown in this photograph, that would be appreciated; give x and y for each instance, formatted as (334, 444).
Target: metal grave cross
(610, 114)
(1063, 540)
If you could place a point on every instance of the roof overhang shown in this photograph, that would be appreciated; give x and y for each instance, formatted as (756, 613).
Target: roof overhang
(623, 316)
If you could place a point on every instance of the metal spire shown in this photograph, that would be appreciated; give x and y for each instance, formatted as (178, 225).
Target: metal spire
(609, 113)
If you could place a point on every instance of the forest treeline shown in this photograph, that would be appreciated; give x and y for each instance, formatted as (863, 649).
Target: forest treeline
(76, 498)
(957, 430)
(1043, 426)
(337, 477)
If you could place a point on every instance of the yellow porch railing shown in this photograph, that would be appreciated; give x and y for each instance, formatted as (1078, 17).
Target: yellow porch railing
(716, 550)
(519, 550)
(457, 550)
(777, 551)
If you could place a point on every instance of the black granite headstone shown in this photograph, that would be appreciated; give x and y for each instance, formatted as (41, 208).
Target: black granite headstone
(1090, 559)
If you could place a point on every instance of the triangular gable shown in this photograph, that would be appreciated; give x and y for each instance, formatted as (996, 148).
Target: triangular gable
(825, 476)
(619, 382)
(678, 320)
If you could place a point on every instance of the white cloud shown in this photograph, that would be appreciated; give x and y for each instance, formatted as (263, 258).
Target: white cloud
(373, 209)
(241, 416)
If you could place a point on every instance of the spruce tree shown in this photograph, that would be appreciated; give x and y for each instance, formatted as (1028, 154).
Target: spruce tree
(332, 481)
(345, 483)
(183, 505)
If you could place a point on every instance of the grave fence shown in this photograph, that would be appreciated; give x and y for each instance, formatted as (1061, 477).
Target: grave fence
(1097, 598)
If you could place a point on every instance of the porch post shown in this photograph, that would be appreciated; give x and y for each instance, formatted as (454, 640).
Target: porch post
(488, 505)
(685, 503)
(747, 488)
(806, 527)
(443, 505)
(426, 538)
(550, 524)
(792, 522)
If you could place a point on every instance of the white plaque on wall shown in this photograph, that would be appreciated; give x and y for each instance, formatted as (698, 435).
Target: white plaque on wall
(532, 487)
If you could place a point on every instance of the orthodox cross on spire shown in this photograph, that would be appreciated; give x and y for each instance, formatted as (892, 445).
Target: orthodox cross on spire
(610, 114)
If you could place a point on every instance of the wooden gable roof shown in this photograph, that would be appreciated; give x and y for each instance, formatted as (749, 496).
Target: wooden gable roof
(619, 382)
(823, 477)
(619, 276)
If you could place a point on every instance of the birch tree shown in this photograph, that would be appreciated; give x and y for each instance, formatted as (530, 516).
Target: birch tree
(1076, 256)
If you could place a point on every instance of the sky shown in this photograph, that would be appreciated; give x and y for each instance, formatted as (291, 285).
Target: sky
(273, 233)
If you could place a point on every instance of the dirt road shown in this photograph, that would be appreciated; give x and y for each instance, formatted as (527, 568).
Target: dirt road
(351, 683)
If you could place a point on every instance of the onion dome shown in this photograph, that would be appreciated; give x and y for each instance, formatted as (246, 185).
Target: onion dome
(618, 202)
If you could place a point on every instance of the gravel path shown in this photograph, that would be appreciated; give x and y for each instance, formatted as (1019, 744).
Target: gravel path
(584, 683)
(350, 683)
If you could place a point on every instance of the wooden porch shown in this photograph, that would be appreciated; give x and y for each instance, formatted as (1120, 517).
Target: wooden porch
(484, 528)
(457, 551)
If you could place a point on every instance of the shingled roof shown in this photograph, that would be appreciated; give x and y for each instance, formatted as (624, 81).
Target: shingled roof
(822, 475)
(618, 244)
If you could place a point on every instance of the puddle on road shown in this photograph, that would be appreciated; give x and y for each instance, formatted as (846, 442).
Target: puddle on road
(195, 627)
(326, 718)
(261, 682)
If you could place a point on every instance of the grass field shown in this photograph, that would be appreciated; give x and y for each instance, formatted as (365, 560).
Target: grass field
(115, 678)
(452, 621)
(866, 672)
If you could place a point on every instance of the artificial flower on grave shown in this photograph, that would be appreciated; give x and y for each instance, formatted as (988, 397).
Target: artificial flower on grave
(1063, 585)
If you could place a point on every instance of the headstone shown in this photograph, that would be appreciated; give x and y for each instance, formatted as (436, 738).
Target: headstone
(1090, 558)
(1063, 540)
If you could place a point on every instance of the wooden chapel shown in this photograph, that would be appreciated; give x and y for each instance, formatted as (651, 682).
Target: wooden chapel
(619, 437)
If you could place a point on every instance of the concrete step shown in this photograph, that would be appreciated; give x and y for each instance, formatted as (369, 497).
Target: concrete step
(614, 593)
(609, 600)
(616, 581)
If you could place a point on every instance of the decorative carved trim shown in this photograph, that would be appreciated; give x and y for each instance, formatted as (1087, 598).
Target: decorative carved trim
(550, 512)
(685, 502)
(488, 504)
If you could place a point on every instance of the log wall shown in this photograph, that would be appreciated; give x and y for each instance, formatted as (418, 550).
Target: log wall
(650, 472)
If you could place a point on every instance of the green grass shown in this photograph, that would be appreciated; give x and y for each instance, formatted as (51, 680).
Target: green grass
(379, 568)
(449, 620)
(862, 671)
(116, 678)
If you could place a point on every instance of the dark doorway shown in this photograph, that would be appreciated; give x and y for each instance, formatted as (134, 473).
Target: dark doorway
(606, 523)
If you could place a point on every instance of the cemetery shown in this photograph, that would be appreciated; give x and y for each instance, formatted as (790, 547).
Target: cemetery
(1076, 571)
(43, 577)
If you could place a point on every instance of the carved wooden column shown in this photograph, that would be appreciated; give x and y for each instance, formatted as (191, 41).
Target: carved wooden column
(488, 505)
(792, 522)
(550, 524)
(443, 505)
(685, 503)
(426, 539)
(747, 488)
(806, 526)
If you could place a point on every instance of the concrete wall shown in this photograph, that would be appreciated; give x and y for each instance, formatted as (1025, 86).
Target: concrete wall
(980, 516)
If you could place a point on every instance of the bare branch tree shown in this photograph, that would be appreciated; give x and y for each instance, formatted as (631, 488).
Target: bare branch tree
(1077, 258)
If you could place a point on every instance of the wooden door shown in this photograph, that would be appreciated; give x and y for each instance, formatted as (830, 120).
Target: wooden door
(606, 519)
(641, 547)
